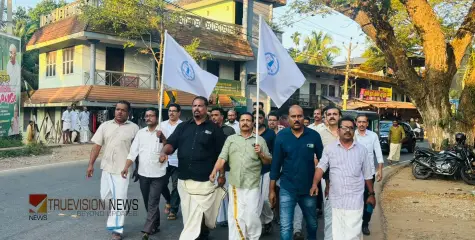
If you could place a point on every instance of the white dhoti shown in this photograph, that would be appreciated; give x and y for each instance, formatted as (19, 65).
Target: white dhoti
(347, 224)
(84, 134)
(265, 210)
(327, 214)
(113, 186)
(198, 199)
(223, 209)
(243, 211)
(394, 151)
(67, 126)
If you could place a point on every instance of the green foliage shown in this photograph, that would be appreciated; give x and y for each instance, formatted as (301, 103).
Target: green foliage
(8, 142)
(376, 61)
(42, 8)
(34, 149)
(316, 50)
(454, 94)
(192, 49)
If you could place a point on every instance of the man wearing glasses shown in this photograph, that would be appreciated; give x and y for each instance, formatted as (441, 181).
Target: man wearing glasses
(350, 166)
(173, 199)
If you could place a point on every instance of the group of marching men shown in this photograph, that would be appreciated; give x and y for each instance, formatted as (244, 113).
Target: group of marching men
(237, 175)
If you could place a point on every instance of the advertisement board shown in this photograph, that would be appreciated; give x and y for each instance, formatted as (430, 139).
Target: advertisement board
(374, 95)
(389, 92)
(10, 85)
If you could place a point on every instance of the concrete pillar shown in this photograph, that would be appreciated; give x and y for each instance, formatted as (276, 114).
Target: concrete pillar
(92, 68)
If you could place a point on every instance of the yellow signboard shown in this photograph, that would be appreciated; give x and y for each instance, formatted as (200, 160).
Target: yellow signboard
(169, 97)
(389, 92)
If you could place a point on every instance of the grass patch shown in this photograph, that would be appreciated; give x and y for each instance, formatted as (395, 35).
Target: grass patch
(8, 142)
(29, 150)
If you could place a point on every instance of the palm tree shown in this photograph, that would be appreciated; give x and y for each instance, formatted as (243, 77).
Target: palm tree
(29, 66)
(318, 50)
(294, 51)
(375, 59)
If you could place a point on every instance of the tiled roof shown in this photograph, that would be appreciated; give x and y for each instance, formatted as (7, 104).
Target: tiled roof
(209, 40)
(111, 94)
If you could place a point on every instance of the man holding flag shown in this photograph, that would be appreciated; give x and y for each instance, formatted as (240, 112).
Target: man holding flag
(200, 141)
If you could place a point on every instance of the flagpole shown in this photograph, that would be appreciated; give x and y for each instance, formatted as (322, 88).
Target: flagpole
(258, 78)
(160, 103)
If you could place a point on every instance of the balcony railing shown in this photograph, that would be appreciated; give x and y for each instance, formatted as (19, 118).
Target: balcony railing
(122, 79)
(203, 23)
(187, 20)
(304, 100)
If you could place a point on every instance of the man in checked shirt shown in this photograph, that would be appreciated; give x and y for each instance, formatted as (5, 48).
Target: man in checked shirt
(350, 167)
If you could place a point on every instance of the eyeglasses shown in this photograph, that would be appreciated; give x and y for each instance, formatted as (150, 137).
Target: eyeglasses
(173, 111)
(347, 129)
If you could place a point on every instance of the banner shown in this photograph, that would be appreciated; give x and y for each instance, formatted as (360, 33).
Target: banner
(10, 85)
(374, 95)
(389, 92)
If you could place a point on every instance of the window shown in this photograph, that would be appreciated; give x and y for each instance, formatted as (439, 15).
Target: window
(68, 60)
(213, 67)
(237, 71)
(51, 64)
(331, 91)
(324, 88)
(313, 88)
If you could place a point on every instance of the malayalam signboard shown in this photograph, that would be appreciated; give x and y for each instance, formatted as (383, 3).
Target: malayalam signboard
(374, 95)
(389, 91)
(10, 85)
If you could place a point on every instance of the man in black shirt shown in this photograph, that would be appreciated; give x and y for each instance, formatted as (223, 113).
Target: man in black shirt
(199, 141)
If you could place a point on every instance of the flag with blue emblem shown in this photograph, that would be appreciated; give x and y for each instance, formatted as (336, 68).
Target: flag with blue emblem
(180, 71)
(279, 75)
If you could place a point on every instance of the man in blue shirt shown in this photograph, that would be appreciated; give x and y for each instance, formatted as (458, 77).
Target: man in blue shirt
(267, 215)
(294, 163)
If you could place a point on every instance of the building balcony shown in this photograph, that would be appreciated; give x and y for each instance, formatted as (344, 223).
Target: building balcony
(121, 79)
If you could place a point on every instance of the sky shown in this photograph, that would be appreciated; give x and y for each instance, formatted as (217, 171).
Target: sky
(341, 28)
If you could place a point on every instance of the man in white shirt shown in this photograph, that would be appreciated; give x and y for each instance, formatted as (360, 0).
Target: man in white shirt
(317, 116)
(66, 118)
(75, 127)
(232, 115)
(14, 70)
(173, 198)
(152, 173)
(84, 118)
(370, 140)
(114, 137)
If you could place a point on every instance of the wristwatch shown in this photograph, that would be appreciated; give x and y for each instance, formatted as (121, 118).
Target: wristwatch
(371, 194)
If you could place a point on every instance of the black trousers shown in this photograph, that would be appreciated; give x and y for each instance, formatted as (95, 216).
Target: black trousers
(151, 189)
(172, 198)
(320, 196)
(366, 215)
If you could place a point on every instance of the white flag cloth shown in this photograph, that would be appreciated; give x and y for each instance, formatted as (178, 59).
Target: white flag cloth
(180, 71)
(279, 75)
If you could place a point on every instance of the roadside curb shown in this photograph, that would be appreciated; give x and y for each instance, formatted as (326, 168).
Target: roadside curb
(21, 147)
(378, 221)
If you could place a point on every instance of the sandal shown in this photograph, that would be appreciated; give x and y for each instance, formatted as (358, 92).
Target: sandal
(167, 208)
(171, 216)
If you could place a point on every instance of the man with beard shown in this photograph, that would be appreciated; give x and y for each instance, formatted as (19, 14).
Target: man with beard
(350, 166)
(294, 163)
(329, 134)
(370, 141)
(232, 116)
(115, 136)
(266, 213)
(173, 199)
(200, 141)
(246, 159)
(152, 174)
(396, 136)
(217, 116)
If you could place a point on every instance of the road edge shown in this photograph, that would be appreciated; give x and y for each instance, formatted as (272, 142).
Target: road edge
(379, 221)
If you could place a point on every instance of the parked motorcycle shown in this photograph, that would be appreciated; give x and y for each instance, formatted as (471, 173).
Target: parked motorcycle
(459, 160)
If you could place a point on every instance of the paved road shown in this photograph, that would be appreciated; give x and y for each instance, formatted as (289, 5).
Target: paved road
(66, 180)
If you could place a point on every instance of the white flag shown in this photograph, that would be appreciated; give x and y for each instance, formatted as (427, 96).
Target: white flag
(279, 75)
(180, 71)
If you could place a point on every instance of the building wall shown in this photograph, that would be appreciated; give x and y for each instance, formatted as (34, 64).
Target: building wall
(305, 89)
(134, 62)
(60, 79)
(223, 11)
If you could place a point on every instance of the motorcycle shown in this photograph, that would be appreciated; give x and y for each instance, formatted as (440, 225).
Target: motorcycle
(456, 161)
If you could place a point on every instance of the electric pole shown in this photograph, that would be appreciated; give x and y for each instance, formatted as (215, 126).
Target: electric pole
(345, 86)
